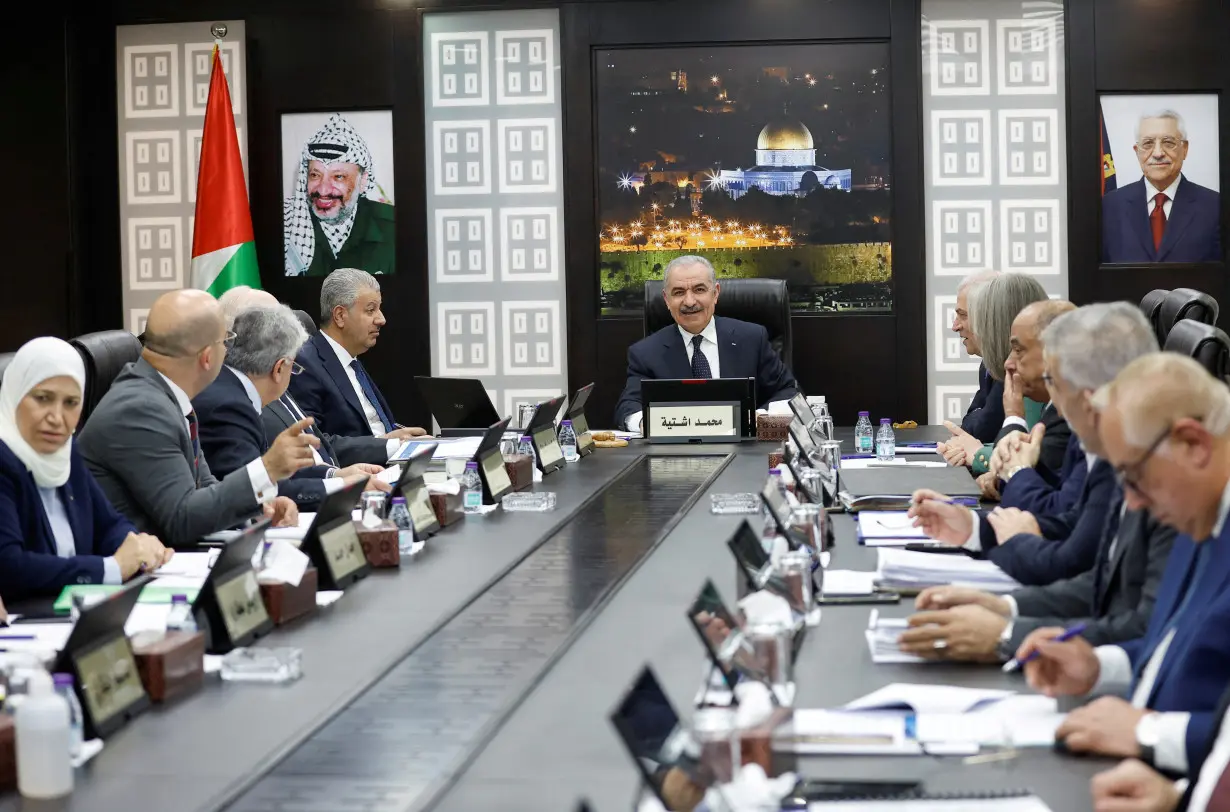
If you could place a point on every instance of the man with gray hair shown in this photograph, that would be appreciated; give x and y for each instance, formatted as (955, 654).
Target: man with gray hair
(258, 369)
(334, 387)
(700, 344)
(1163, 217)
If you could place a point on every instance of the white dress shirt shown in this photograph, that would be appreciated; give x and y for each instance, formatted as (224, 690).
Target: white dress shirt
(1170, 191)
(708, 347)
(369, 411)
(263, 488)
(331, 485)
(62, 532)
(1115, 676)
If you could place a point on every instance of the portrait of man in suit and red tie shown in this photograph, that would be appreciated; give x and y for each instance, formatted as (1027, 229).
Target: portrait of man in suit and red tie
(1165, 205)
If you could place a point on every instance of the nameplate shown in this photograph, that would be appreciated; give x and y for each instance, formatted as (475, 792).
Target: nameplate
(682, 421)
(421, 512)
(343, 550)
(110, 681)
(243, 609)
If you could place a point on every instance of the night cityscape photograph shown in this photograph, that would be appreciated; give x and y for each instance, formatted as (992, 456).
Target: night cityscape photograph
(770, 161)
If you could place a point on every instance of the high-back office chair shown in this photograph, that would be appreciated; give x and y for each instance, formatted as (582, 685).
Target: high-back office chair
(1207, 344)
(1185, 303)
(760, 301)
(105, 354)
(6, 358)
(307, 321)
(1151, 306)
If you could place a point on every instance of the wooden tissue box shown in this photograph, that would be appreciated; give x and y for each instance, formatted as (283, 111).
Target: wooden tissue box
(520, 468)
(776, 458)
(773, 428)
(757, 742)
(171, 664)
(8, 753)
(380, 544)
(284, 602)
(448, 507)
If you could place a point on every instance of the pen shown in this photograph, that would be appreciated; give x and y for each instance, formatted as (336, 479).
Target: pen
(1014, 664)
(18, 637)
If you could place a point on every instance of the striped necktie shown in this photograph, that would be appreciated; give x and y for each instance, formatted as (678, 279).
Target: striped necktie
(195, 437)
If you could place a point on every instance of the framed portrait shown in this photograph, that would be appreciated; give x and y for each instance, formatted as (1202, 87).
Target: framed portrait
(771, 161)
(337, 192)
(1161, 196)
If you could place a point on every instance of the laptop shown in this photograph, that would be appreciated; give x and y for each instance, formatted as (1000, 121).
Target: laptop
(460, 406)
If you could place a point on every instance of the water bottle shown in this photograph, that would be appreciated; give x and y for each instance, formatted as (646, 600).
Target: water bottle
(76, 718)
(886, 441)
(526, 446)
(180, 618)
(399, 514)
(568, 441)
(471, 489)
(863, 443)
(44, 766)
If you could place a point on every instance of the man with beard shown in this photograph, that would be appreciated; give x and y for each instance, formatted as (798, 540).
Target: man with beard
(337, 217)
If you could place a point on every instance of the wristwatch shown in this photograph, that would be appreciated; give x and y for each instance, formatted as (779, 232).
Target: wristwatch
(1147, 737)
(1013, 472)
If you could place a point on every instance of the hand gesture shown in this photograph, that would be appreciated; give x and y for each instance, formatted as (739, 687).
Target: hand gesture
(968, 633)
(1014, 396)
(406, 433)
(988, 484)
(283, 511)
(1133, 787)
(1008, 522)
(951, 524)
(946, 597)
(1026, 453)
(1061, 669)
(1106, 726)
(290, 451)
(963, 438)
(141, 552)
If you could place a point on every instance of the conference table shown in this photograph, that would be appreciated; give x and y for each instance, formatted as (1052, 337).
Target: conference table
(480, 675)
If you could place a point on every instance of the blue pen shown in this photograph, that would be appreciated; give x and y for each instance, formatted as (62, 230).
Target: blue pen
(1015, 664)
(17, 637)
(858, 456)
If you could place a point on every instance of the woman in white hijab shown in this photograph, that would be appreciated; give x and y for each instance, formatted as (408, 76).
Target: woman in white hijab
(56, 526)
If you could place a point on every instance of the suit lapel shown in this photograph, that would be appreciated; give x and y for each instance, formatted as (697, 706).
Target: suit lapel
(334, 367)
(727, 349)
(287, 418)
(1140, 219)
(1127, 527)
(676, 354)
(1181, 214)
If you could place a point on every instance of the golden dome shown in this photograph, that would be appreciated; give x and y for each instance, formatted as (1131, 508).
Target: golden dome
(785, 134)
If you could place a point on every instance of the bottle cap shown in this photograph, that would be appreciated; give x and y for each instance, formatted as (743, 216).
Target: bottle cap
(864, 414)
(567, 423)
(775, 472)
(178, 599)
(63, 680)
(884, 421)
(471, 466)
(399, 500)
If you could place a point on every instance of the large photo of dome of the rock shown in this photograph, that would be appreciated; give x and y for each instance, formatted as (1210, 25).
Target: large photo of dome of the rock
(771, 161)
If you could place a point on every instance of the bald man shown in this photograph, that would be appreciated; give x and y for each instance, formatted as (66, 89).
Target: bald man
(142, 445)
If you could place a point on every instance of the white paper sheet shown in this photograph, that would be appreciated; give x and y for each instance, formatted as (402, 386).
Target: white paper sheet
(848, 582)
(819, 732)
(1027, 803)
(888, 524)
(927, 698)
(44, 636)
(147, 617)
(858, 463)
(390, 475)
(1016, 721)
(192, 565)
(327, 597)
(882, 634)
(906, 569)
(284, 564)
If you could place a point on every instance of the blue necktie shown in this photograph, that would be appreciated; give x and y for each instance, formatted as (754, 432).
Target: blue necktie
(700, 364)
(369, 392)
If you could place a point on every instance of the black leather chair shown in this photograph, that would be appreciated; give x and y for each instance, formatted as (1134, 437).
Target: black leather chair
(6, 358)
(1151, 306)
(307, 321)
(760, 301)
(105, 354)
(1207, 344)
(1185, 303)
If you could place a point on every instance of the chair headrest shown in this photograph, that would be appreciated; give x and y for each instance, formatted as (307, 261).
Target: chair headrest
(760, 301)
(1186, 303)
(307, 321)
(1208, 345)
(1151, 305)
(105, 354)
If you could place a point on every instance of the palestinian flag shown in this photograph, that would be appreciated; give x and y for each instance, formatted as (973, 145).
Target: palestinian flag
(223, 247)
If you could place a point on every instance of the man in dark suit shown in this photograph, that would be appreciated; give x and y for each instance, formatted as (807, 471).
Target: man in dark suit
(334, 387)
(701, 345)
(259, 367)
(986, 410)
(1084, 349)
(1163, 217)
(143, 445)
(1165, 428)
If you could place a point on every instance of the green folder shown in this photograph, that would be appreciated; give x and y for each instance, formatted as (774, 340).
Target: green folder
(151, 594)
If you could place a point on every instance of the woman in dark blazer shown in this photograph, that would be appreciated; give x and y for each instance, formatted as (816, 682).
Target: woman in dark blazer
(56, 526)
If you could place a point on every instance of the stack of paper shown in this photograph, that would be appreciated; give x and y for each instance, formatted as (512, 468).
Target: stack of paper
(824, 732)
(1015, 721)
(882, 634)
(854, 463)
(908, 571)
(928, 698)
(888, 528)
(847, 583)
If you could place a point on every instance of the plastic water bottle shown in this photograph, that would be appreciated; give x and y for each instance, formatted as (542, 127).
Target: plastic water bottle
(44, 734)
(568, 441)
(526, 447)
(76, 718)
(399, 514)
(471, 489)
(863, 442)
(886, 441)
(180, 618)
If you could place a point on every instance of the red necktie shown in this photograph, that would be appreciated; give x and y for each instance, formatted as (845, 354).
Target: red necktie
(1157, 219)
(1220, 799)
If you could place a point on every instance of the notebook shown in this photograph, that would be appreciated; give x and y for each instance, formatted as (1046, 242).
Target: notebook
(904, 480)
(1000, 800)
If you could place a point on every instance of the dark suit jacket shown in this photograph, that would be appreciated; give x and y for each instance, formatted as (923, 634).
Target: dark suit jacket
(1034, 560)
(29, 566)
(1193, 231)
(232, 435)
(1028, 490)
(1196, 668)
(743, 352)
(334, 449)
(1115, 598)
(1054, 444)
(323, 391)
(985, 415)
(136, 444)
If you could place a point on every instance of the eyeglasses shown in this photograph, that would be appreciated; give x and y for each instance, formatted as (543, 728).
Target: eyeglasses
(295, 368)
(1128, 476)
(1168, 144)
(1048, 379)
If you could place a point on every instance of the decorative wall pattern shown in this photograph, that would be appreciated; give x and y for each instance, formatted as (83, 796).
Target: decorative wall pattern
(162, 78)
(495, 202)
(996, 163)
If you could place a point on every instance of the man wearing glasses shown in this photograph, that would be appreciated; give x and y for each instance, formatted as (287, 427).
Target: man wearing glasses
(1165, 428)
(259, 366)
(1163, 217)
(143, 445)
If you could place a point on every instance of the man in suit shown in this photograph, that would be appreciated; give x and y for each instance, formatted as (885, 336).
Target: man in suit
(1163, 217)
(142, 442)
(1165, 428)
(1084, 349)
(701, 345)
(334, 387)
(259, 367)
(985, 415)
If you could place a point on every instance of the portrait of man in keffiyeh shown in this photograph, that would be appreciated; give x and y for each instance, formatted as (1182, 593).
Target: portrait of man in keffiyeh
(337, 216)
